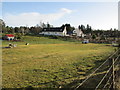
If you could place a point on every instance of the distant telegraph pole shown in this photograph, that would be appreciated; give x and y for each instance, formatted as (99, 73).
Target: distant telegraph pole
(119, 16)
(119, 31)
(118, 24)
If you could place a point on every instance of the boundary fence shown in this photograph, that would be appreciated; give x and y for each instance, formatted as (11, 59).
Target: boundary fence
(111, 69)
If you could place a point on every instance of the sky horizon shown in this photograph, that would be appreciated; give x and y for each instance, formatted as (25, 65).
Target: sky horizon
(99, 15)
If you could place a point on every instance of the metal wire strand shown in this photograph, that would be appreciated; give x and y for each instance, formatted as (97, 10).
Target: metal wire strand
(95, 70)
(106, 73)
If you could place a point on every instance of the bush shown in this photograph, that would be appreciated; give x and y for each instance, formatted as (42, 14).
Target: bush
(18, 37)
(53, 37)
(93, 36)
(119, 43)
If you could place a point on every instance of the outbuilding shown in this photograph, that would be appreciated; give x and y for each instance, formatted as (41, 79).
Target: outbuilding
(9, 36)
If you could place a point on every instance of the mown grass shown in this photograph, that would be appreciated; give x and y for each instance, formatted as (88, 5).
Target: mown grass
(40, 40)
(49, 63)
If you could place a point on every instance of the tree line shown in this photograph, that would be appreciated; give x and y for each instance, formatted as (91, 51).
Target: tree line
(39, 27)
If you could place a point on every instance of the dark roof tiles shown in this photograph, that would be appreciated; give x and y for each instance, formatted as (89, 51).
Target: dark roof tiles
(56, 29)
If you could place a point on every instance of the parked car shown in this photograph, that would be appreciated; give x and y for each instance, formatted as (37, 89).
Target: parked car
(85, 41)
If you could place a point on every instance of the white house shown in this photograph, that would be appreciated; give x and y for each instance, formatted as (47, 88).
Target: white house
(57, 31)
(78, 32)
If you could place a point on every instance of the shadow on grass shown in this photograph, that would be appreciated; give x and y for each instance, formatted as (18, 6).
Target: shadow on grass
(94, 80)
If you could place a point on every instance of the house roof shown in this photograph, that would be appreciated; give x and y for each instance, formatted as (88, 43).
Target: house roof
(55, 29)
(9, 35)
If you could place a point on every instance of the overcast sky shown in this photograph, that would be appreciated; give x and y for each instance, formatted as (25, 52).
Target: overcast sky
(100, 15)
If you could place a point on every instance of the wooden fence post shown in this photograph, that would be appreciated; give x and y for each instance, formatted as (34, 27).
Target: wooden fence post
(118, 66)
(112, 81)
(110, 64)
(113, 75)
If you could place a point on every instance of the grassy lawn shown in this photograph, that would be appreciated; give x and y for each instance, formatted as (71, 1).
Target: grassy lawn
(40, 40)
(49, 63)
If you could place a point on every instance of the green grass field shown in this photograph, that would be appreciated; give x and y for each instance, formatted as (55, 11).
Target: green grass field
(49, 63)
(40, 40)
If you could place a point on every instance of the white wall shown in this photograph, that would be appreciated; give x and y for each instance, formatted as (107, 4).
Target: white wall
(78, 32)
(53, 33)
(64, 33)
(10, 38)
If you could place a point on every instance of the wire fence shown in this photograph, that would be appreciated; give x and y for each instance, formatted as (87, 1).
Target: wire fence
(108, 79)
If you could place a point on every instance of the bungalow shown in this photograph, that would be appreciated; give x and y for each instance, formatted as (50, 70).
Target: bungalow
(57, 31)
(9, 36)
(78, 32)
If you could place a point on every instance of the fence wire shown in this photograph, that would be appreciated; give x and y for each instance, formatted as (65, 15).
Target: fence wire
(104, 75)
